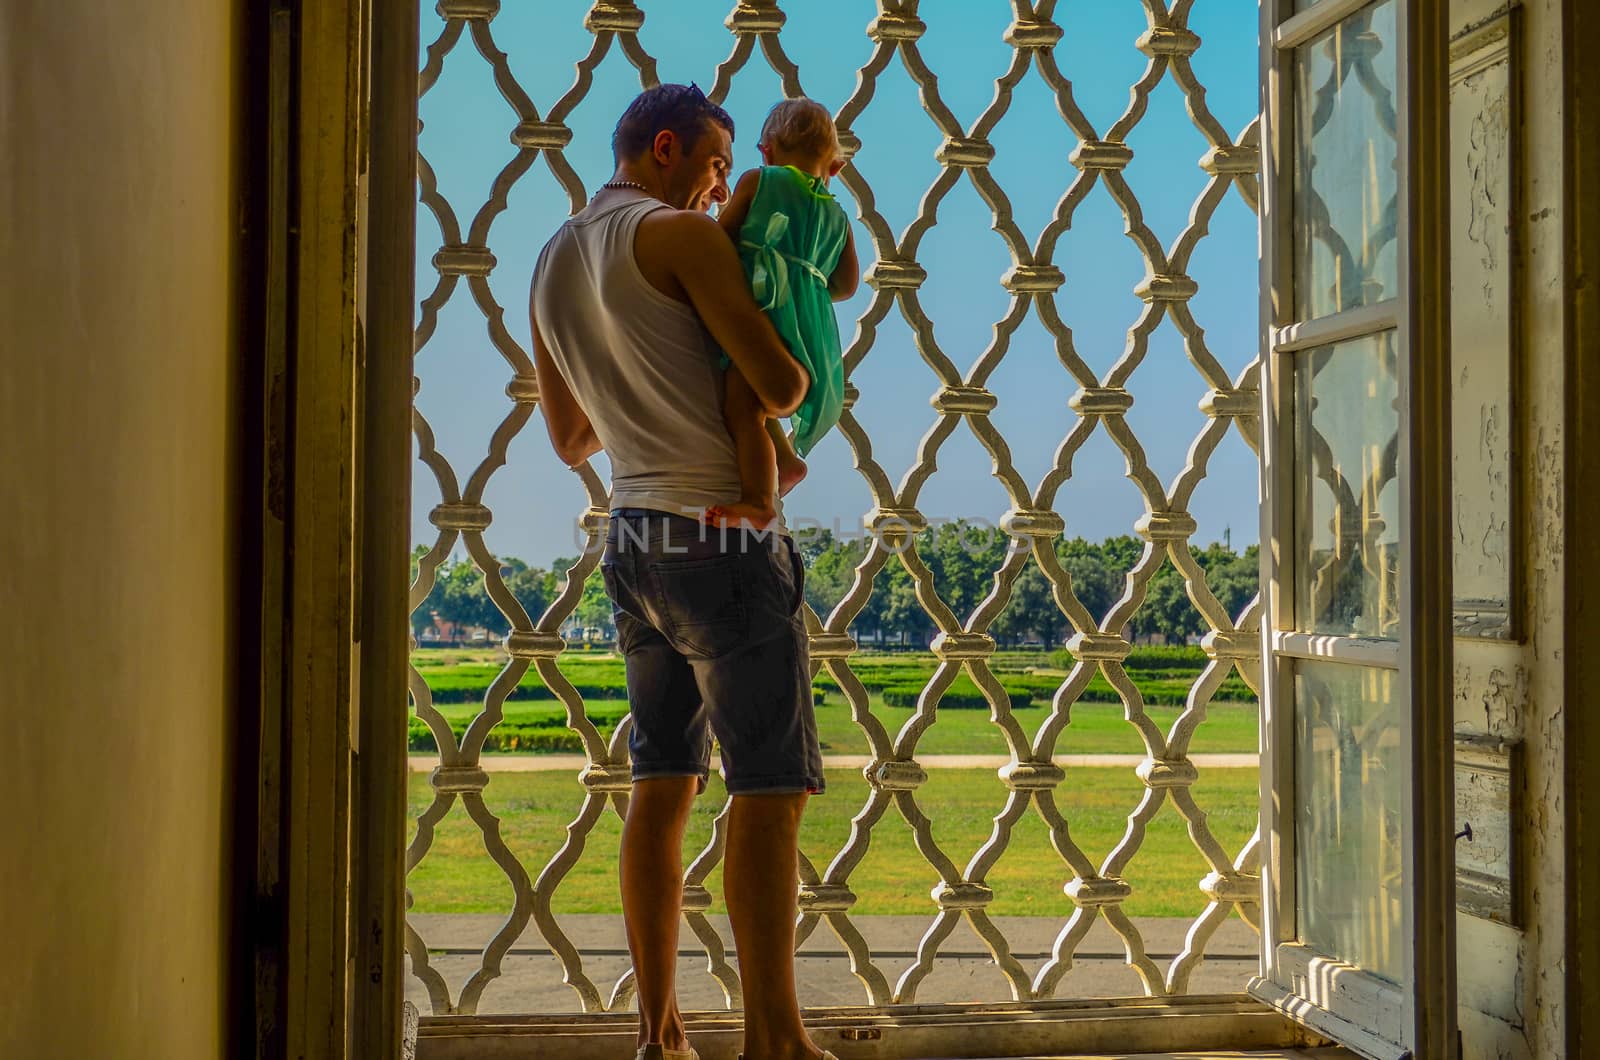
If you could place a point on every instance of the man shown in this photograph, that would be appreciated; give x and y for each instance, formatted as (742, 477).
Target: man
(632, 302)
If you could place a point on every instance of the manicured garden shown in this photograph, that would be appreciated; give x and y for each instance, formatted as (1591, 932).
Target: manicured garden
(534, 810)
(535, 720)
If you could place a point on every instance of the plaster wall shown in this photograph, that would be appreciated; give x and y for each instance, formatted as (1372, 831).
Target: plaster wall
(1510, 977)
(118, 177)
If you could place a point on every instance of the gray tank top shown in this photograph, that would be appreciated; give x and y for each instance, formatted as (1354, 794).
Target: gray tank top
(641, 365)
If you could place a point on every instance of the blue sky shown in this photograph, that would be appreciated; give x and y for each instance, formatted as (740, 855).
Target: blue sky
(465, 133)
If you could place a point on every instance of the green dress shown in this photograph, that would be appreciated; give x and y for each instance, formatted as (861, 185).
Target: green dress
(790, 243)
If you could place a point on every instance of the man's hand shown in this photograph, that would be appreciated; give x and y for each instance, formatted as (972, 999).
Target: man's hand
(688, 252)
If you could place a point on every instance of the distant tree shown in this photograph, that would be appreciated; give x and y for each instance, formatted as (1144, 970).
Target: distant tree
(1166, 609)
(422, 616)
(870, 617)
(1120, 553)
(594, 609)
(1234, 579)
(527, 584)
(460, 600)
(830, 570)
(815, 542)
(1096, 587)
(555, 580)
(901, 613)
(963, 557)
(1031, 611)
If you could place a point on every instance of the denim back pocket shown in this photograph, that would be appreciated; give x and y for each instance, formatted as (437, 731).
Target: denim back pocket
(703, 606)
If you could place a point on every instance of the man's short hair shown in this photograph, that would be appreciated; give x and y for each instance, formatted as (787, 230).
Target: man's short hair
(803, 126)
(682, 110)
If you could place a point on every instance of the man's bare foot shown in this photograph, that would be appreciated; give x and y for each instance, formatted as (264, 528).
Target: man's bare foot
(743, 515)
(790, 474)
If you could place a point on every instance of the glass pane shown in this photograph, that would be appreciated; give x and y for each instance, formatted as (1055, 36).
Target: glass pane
(1346, 449)
(1348, 775)
(1346, 186)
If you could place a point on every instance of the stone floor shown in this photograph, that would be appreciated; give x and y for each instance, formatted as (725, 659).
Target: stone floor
(1225, 1054)
(531, 979)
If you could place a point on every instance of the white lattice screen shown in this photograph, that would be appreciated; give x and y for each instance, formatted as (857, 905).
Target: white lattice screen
(1029, 792)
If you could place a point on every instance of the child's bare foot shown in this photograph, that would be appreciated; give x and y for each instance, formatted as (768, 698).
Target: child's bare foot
(791, 471)
(744, 515)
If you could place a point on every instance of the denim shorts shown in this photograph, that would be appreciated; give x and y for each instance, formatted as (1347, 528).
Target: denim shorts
(709, 626)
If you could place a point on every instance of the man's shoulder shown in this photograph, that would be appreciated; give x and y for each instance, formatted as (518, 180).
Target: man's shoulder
(667, 237)
(691, 224)
(552, 246)
(564, 239)
(561, 236)
(591, 215)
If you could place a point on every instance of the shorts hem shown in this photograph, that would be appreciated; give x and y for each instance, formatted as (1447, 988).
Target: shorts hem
(789, 784)
(669, 770)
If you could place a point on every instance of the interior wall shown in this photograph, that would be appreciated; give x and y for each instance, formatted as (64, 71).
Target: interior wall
(118, 179)
(1511, 978)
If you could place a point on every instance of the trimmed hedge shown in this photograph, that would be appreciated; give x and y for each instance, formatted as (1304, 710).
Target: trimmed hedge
(907, 696)
(1161, 690)
(1166, 693)
(504, 738)
(540, 733)
(466, 684)
(1176, 658)
(1167, 686)
(1163, 675)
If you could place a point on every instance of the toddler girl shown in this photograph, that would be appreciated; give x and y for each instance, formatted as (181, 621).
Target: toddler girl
(800, 256)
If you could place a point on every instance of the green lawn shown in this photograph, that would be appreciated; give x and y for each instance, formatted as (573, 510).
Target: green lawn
(1094, 728)
(534, 809)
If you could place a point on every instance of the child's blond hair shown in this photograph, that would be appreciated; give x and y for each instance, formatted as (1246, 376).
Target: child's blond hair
(801, 126)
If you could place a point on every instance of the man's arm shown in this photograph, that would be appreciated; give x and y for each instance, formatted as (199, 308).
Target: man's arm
(702, 259)
(571, 433)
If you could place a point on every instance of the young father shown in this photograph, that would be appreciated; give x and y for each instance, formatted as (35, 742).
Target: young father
(633, 301)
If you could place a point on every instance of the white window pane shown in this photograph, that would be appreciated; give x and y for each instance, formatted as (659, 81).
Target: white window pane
(1348, 775)
(1346, 183)
(1347, 518)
